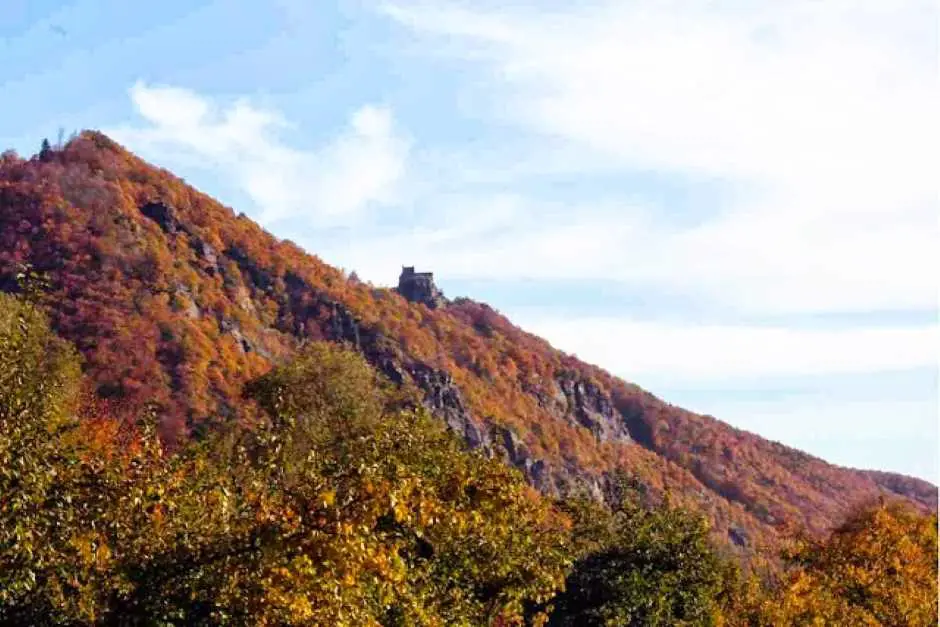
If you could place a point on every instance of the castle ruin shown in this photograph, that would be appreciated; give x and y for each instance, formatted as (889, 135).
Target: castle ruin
(418, 287)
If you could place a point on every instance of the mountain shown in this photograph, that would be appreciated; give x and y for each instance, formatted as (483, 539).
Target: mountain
(175, 301)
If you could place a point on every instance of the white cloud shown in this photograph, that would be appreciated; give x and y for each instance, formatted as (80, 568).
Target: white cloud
(331, 184)
(790, 421)
(795, 268)
(820, 115)
(684, 85)
(648, 351)
(495, 237)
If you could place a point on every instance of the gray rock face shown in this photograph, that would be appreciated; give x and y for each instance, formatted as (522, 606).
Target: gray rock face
(738, 536)
(208, 256)
(244, 344)
(508, 445)
(443, 398)
(589, 407)
(163, 215)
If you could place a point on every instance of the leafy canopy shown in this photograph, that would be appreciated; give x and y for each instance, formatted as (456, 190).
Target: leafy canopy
(649, 567)
(340, 509)
(348, 505)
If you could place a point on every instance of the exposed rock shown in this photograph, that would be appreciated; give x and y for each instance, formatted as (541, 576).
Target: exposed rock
(185, 296)
(537, 474)
(163, 215)
(243, 298)
(193, 311)
(516, 452)
(207, 254)
(443, 398)
(244, 343)
(738, 536)
(591, 408)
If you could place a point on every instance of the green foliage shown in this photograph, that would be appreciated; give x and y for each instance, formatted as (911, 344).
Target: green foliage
(654, 567)
(38, 376)
(39, 370)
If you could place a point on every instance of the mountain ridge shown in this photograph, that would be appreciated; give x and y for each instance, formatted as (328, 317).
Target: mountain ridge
(175, 300)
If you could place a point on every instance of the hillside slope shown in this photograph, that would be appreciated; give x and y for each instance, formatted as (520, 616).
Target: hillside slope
(176, 301)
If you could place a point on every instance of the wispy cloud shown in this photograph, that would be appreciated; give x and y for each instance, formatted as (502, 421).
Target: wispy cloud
(821, 117)
(791, 92)
(699, 353)
(330, 184)
(814, 120)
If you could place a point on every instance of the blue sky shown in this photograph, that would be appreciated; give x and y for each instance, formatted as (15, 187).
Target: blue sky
(732, 204)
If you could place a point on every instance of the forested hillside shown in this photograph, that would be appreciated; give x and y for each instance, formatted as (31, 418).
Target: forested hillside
(174, 302)
(347, 504)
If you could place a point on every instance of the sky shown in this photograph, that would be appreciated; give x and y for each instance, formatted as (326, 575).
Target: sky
(732, 204)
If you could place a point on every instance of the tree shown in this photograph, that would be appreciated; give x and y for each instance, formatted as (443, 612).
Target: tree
(341, 509)
(878, 568)
(446, 537)
(657, 567)
(45, 151)
(38, 389)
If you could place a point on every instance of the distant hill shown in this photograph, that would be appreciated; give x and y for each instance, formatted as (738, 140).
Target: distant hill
(175, 300)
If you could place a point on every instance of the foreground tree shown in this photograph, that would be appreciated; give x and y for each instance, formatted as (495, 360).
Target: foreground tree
(877, 568)
(339, 508)
(652, 567)
(439, 535)
(38, 391)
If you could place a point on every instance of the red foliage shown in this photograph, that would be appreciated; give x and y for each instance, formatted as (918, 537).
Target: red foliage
(181, 307)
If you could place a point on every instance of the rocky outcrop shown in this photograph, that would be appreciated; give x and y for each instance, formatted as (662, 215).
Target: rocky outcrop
(164, 215)
(244, 343)
(443, 398)
(582, 403)
(738, 536)
(588, 406)
(208, 257)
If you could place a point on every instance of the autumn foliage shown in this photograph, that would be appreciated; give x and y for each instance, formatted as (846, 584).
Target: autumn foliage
(334, 510)
(879, 567)
(342, 504)
(175, 302)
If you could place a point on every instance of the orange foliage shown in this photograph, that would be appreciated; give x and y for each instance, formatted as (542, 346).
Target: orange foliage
(180, 309)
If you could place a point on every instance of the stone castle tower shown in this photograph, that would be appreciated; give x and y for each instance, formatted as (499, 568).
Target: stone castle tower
(418, 287)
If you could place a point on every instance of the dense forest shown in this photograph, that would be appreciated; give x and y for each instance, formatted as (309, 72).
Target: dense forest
(201, 424)
(346, 503)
